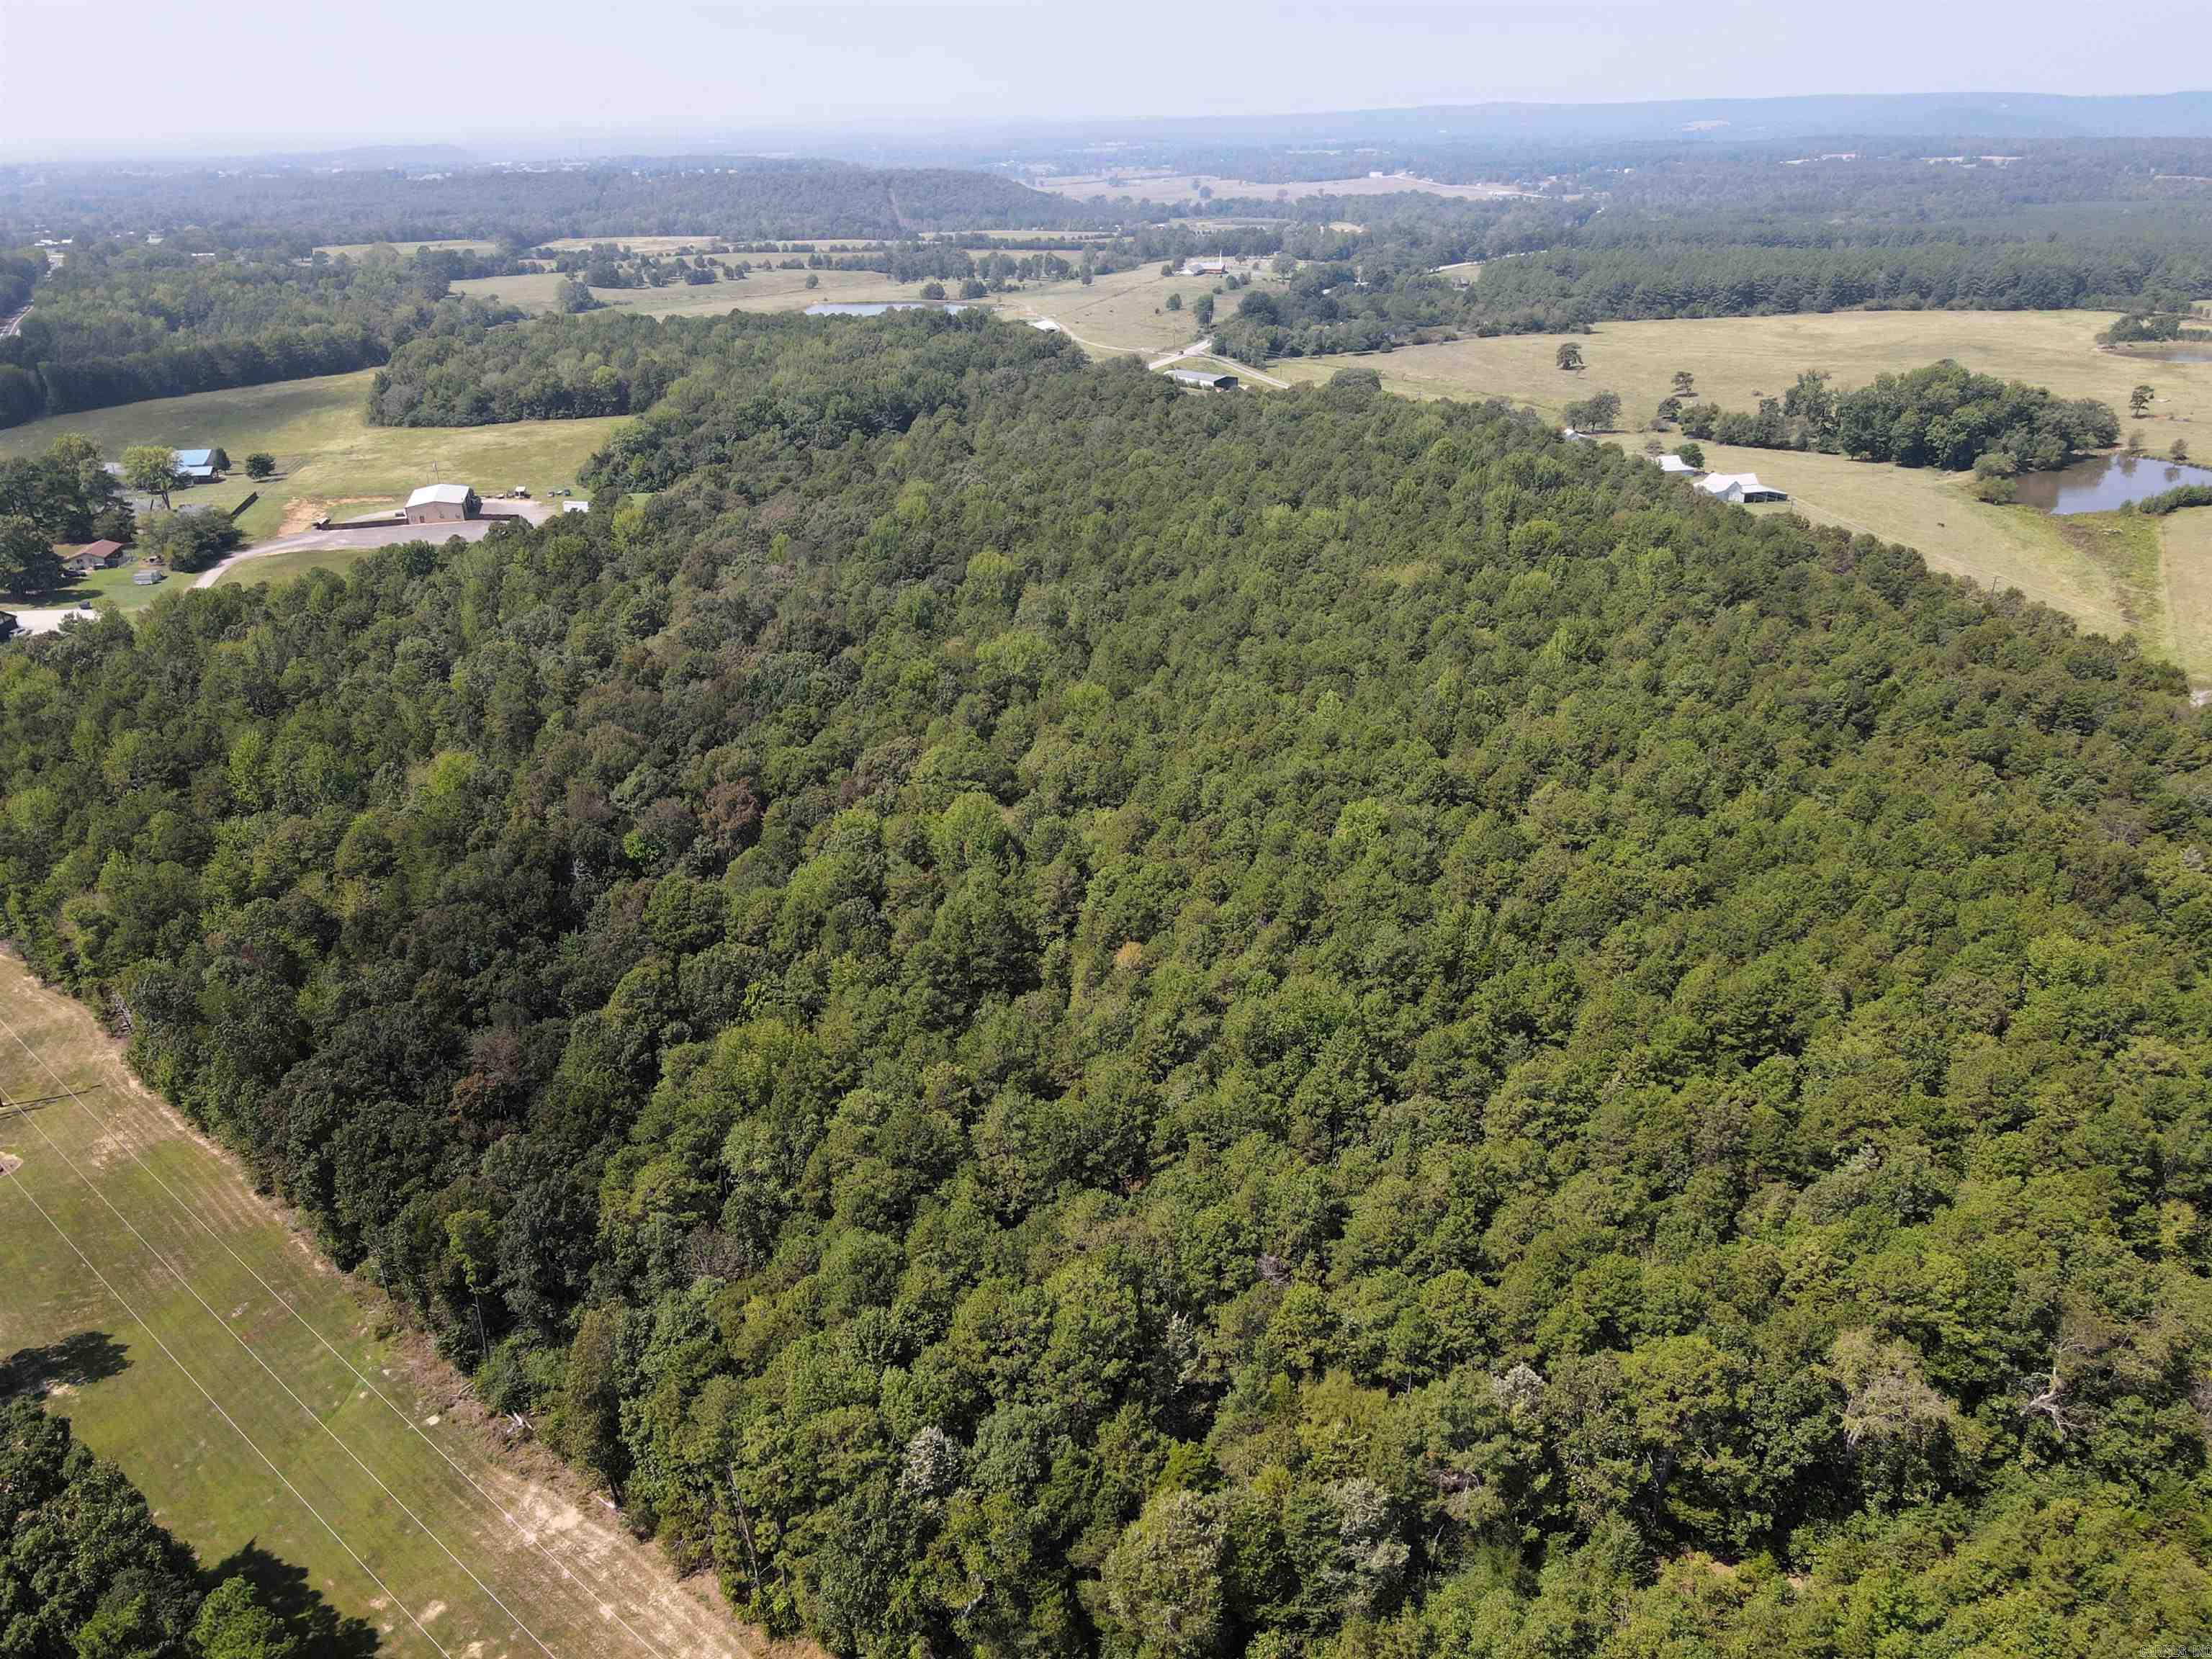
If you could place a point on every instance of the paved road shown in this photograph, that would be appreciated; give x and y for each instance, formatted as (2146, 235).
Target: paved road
(15, 323)
(1196, 349)
(469, 530)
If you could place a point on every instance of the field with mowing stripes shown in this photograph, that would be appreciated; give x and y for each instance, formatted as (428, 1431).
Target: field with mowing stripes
(260, 1397)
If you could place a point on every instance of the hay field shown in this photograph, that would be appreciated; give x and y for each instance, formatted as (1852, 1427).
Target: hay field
(270, 1407)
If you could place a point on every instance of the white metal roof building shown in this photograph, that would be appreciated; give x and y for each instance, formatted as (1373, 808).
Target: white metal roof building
(1740, 487)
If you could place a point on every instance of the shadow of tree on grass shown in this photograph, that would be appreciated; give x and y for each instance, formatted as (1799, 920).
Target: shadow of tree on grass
(88, 1357)
(318, 1628)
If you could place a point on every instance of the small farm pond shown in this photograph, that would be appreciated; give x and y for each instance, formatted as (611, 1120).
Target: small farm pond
(2107, 483)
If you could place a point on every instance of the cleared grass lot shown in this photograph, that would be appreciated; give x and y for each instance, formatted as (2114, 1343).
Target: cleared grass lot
(260, 1397)
(329, 458)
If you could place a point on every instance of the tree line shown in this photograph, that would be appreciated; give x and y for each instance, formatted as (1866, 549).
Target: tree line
(117, 324)
(745, 200)
(1943, 414)
(1049, 1018)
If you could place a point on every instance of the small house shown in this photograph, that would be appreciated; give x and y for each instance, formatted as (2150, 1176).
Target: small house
(1675, 467)
(1204, 380)
(442, 503)
(1739, 487)
(196, 465)
(94, 556)
(576, 506)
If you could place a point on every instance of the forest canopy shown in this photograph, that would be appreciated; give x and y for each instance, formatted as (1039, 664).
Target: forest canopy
(1051, 1019)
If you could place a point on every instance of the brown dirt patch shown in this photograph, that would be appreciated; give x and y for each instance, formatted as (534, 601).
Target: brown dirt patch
(10, 1164)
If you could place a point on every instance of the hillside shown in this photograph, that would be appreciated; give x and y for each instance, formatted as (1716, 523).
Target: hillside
(1049, 1017)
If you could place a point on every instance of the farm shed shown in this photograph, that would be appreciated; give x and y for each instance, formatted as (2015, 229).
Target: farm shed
(1675, 467)
(195, 465)
(1204, 378)
(1740, 487)
(442, 503)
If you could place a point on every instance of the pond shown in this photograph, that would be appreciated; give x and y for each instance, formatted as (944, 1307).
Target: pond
(872, 307)
(2102, 484)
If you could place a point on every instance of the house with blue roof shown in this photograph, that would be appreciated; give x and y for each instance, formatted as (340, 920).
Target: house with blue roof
(199, 466)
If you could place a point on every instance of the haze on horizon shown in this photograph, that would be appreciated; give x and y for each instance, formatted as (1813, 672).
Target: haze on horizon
(137, 78)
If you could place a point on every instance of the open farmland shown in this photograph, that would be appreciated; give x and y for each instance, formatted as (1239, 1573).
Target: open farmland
(329, 458)
(267, 1405)
(2093, 572)
(1126, 312)
(1736, 359)
(2186, 559)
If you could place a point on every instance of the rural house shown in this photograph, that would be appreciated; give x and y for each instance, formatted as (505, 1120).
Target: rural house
(1205, 380)
(1740, 487)
(442, 503)
(1675, 467)
(94, 556)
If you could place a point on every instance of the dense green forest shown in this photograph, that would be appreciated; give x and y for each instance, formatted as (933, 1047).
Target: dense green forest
(1943, 416)
(86, 1572)
(1670, 276)
(1049, 1018)
(741, 197)
(117, 324)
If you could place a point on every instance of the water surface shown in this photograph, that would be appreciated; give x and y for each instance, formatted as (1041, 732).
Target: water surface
(2104, 484)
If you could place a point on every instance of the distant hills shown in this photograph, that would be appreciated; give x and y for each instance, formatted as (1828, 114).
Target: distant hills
(1994, 115)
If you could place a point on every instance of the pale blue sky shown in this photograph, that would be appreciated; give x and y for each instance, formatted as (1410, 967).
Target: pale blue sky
(135, 76)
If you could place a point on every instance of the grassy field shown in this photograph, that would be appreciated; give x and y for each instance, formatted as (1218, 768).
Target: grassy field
(1126, 312)
(260, 1398)
(2185, 559)
(2110, 575)
(328, 455)
(1736, 359)
(405, 250)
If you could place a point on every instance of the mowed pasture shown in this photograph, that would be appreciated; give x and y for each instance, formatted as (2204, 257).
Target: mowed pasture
(2081, 568)
(263, 1400)
(329, 458)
